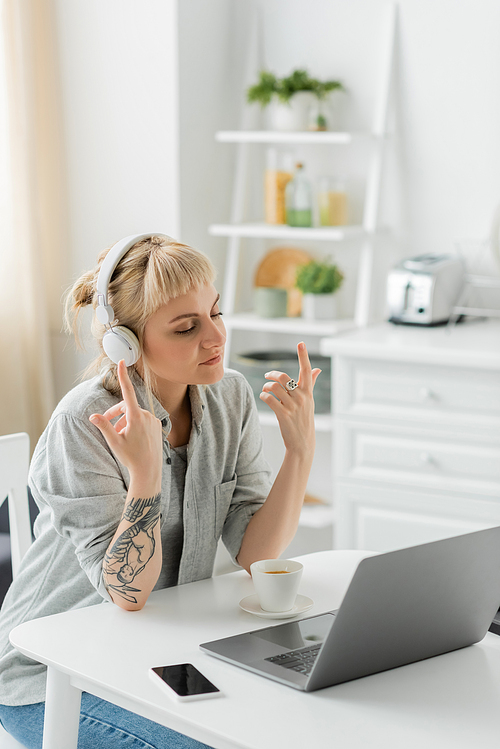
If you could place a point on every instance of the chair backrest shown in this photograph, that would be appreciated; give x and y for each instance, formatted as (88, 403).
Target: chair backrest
(14, 465)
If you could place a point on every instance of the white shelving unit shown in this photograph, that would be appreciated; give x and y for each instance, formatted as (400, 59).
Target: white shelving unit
(281, 231)
(274, 136)
(250, 321)
(237, 229)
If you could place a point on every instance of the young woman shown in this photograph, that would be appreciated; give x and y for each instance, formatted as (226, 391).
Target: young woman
(141, 471)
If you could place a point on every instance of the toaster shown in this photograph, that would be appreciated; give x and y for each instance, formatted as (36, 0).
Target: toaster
(423, 290)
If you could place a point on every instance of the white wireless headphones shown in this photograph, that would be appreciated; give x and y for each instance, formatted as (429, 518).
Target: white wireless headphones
(118, 342)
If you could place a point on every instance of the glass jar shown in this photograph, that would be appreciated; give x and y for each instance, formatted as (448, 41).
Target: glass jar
(277, 175)
(319, 115)
(332, 202)
(298, 196)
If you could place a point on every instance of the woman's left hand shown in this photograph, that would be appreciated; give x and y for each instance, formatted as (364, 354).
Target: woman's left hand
(294, 408)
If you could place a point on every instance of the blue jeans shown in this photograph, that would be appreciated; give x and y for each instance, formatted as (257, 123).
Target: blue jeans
(102, 726)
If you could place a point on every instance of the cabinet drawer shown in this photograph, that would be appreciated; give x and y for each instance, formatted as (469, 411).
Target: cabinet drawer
(396, 390)
(386, 518)
(418, 458)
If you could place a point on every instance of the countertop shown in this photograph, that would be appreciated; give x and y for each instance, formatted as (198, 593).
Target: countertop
(474, 343)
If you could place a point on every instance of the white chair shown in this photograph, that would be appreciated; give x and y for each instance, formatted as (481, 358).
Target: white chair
(14, 464)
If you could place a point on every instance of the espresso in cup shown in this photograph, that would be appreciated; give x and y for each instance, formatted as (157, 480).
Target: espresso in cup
(276, 583)
(277, 572)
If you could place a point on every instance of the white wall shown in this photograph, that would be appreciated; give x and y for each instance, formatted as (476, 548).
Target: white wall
(119, 85)
(212, 41)
(449, 120)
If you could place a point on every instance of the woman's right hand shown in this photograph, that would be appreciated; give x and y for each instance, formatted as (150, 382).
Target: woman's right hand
(136, 438)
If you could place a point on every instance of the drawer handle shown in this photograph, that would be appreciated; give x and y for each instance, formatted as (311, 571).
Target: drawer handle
(426, 394)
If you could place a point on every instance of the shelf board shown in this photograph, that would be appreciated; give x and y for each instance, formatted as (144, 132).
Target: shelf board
(322, 422)
(276, 136)
(282, 231)
(251, 321)
(316, 516)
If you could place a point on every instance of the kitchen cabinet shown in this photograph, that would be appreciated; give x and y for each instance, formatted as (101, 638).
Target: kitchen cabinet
(417, 432)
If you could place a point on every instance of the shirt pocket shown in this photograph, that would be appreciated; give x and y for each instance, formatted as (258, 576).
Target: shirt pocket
(223, 496)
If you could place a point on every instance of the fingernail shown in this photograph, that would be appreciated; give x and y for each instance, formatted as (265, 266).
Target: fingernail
(301, 345)
(94, 419)
(267, 374)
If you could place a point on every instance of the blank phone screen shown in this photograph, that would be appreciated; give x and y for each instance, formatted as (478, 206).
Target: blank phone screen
(185, 679)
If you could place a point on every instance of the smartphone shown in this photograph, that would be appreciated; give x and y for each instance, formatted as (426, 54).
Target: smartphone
(184, 682)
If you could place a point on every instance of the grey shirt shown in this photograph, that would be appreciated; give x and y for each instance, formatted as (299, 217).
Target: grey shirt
(80, 488)
(174, 531)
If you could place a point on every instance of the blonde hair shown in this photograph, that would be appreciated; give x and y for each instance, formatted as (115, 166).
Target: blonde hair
(151, 273)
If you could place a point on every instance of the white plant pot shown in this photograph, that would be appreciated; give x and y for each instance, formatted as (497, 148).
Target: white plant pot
(319, 306)
(291, 116)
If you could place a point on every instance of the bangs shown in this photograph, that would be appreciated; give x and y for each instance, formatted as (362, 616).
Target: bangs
(173, 273)
(154, 271)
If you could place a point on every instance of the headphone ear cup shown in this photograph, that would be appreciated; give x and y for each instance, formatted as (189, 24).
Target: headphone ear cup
(120, 343)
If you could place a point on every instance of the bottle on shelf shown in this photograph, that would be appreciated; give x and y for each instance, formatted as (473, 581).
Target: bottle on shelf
(298, 197)
(332, 202)
(279, 165)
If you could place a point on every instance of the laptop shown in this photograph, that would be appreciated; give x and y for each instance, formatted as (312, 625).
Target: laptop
(401, 606)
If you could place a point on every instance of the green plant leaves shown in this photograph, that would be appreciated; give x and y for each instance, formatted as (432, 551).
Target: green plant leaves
(263, 91)
(284, 88)
(318, 278)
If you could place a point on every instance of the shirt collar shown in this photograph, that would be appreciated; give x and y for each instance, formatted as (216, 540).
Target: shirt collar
(197, 397)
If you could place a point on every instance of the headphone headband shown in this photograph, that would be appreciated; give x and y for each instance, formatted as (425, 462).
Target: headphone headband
(112, 259)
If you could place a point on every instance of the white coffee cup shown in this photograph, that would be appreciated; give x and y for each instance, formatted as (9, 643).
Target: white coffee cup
(276, 583)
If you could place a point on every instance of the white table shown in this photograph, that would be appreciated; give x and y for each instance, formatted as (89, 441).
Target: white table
(449, 701)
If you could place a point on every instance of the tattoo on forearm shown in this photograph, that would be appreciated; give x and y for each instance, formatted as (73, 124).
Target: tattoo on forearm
(137, 506)
(133, 549)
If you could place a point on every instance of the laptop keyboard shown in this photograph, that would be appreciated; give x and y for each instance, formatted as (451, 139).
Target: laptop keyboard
(301, 661)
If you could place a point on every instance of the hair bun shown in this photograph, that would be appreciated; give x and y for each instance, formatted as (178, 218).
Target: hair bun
(156, 240)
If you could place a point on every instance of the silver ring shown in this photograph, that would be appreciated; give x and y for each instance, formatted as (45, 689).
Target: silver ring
(291, 385)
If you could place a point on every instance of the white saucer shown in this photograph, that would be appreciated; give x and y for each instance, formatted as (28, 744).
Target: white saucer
(252, 606)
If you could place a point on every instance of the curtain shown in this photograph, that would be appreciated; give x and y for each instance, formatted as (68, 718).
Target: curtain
(32, 228)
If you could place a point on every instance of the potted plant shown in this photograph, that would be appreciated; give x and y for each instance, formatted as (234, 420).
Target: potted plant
(290, 97)
(319, 281)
